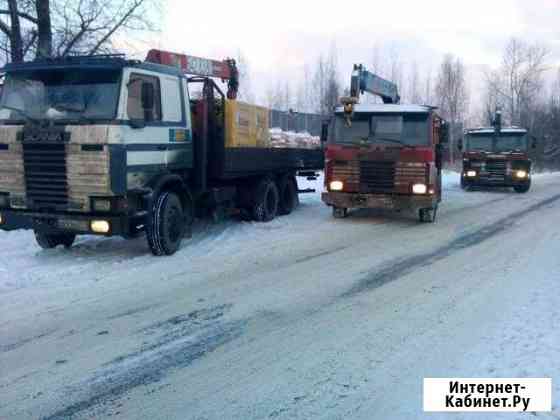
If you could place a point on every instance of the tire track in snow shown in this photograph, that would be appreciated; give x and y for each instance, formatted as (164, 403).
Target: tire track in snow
(398, 268)
(175, 343)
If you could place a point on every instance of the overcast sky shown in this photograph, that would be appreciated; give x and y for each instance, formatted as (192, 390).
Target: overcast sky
(279, 37)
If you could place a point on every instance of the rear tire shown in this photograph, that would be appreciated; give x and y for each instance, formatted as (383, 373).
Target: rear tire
(52, 240)
(167, 224)
(427, 215)
(288, 190)
(265, 205)
(340, 212)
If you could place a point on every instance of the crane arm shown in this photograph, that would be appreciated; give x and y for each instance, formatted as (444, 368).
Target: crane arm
(364, 81)
(197, 66)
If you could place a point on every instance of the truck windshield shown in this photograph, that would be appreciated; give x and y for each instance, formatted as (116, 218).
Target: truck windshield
(504, 143)
(60, 95)
(409, 130)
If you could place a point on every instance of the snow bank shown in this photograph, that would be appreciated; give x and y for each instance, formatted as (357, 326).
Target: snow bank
(451, 179)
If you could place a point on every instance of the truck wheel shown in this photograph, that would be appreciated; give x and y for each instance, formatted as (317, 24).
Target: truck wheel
(266, 199)
(166, 227)
(52, 240)
(339, 212)
(523, 188)
(427, 215)
(288, 190)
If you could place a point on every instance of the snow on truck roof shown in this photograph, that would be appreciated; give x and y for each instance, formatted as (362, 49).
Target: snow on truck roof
(390, 108)
(490, 130)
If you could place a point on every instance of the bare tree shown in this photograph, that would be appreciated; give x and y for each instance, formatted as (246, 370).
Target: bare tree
(275, 97)
(386, 62)
(396, 71)
(245, 83)
(304, 100)
(427, 94)
(452, 94)
(414, 84)
(12, 28)
(326, 83)
(517, 83)
(45, 28)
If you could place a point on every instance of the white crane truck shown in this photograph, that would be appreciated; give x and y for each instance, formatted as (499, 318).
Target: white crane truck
(110, 146)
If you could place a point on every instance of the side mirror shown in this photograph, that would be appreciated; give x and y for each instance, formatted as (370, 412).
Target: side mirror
(148, 95)
(460, 145)
(444, 133)
(533, 142)
(439, 155)
(324, 131)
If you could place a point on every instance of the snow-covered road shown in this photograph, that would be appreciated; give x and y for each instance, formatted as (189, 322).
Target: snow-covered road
(304, 317)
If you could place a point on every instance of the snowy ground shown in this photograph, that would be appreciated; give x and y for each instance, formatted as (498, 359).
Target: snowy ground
(304, 317)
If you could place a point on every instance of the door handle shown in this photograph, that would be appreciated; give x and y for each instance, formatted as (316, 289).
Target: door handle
(162, 147)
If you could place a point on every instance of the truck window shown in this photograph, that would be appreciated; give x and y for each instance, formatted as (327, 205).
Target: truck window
(134, 103)
(56, 94)
(408, 129)
(172, 110)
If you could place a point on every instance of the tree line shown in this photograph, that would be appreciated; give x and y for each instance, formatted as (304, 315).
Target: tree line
(44, 28)
(517, 87)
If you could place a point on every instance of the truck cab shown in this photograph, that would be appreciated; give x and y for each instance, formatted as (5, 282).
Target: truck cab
(496, 157)
(385, 156)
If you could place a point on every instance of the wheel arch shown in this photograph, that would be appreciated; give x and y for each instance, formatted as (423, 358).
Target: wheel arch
(173, 183)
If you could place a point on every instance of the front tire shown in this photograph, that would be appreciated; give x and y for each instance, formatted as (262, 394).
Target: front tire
(522, 188)
(52, 240)
(167, 224)
(265, 205)
(340, 212)
(427, 215)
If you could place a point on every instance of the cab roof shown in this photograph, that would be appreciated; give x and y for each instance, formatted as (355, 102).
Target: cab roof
(97, 62)
(390, 109)
(491, 130)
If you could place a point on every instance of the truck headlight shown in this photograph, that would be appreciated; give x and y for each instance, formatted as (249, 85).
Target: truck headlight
(521, 174)
(471, 174)
(100, 226)
(336, 185)
(101, 204)
(419, 188)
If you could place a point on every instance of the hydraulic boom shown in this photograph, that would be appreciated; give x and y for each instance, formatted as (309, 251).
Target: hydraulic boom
(364, 81)
(197, 66)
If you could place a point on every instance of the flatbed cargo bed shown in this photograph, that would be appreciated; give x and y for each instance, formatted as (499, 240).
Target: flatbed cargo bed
(249, 161)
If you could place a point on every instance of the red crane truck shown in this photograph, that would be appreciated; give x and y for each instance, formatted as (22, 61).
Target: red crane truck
(383, 155)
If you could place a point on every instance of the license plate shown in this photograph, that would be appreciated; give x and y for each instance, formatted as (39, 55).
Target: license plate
(374, 202)
(71, 224)
(44, 222)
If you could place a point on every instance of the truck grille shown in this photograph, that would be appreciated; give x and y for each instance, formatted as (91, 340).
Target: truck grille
(348, 171)
(377, 176)
(495, 171)
(45, 175)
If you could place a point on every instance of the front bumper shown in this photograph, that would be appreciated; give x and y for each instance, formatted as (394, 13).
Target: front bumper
(382, 201)
(495, 181)
(120, 225)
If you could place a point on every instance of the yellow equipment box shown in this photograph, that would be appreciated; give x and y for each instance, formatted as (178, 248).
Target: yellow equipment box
(246, 125)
